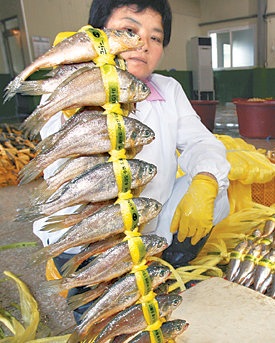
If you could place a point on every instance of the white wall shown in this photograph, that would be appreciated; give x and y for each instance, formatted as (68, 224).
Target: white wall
(186, 17)
(48, 17)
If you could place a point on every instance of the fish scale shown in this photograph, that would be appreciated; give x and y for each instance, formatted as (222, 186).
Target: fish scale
(85, 133)
(74, 49)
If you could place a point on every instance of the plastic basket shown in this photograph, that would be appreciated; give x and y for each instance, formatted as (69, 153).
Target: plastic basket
(264, 193)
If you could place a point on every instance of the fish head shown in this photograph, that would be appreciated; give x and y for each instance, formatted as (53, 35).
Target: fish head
(174, 328)
(141, 134)
(146, 172)
(138, 90)
(269, 227)
(158, 273)
(149, 209)
(122, 40)
(256, 233)
(168, 303)
(131, 89)
(241, 246)
(154, 244)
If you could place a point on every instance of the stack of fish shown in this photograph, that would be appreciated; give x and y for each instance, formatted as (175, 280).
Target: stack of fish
(252, 262)
(92, 180)
(15, 152)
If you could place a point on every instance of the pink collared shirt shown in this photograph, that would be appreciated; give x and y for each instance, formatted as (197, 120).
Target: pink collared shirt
(154, 95)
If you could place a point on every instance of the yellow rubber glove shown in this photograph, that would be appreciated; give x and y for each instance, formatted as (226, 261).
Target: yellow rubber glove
(194, 214)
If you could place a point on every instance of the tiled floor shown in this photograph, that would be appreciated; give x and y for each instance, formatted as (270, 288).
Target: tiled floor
(226, 123)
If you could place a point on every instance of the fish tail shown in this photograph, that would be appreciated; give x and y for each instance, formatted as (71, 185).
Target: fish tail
(77, 300)
(42, 255)
(57, 218)
(70, 266)
(36, 194)
(29, 214)
(83, 298)
(45, 144)
(43, 194)
(34, 123)
(53, 286)
(53, 227)
(13, 86)
(29, 125)
(30, 171)
(31, 87)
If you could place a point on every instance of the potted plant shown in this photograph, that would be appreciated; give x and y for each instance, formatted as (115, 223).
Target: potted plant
(206, 109)
(256, 117)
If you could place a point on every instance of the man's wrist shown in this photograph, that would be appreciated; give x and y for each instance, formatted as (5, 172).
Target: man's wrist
(208, 174)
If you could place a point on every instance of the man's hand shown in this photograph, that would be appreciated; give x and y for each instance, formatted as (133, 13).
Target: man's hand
(194, 214)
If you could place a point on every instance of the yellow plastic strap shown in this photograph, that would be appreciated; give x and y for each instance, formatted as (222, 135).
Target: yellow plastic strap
(148, 297)
(154, 326)
(137, 249)
(129, 213)
(266, 241)
(129, 233)
(151, 312)
(172, 269)
(156, 336)
(143, 282)
(235, 255)
(266, 263)
(252, 237)
(125, 196)
(250, 258)
(113, 108)
(116, 130)
(101, 45)
(140, 266)
(111, 84)
(62, 35)
(123, 175)
(116, 155)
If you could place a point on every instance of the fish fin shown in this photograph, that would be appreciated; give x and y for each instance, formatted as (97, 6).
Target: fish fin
(12, 87)
(59, 218)
(31, 88)
(30, 171)
(77, 300)
(42, 255)
(44, 144)
(69, 79)
(43, 195)
(36, 194)
(70, 266)
(54, 227)
(52, 286)
(32, 125)
(29, 213)
(74, 338)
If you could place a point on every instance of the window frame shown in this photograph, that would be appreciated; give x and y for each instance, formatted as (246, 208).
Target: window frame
(230, 30)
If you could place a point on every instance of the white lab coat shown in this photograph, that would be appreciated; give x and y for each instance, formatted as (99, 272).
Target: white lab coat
(176, 126)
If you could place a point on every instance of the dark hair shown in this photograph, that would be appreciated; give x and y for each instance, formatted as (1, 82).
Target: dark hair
(101, 10)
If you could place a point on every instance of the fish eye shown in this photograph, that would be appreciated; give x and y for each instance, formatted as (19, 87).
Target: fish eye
(130, 33)
(147, 133)
(144, 88)
(176, 302)
(161, 273)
